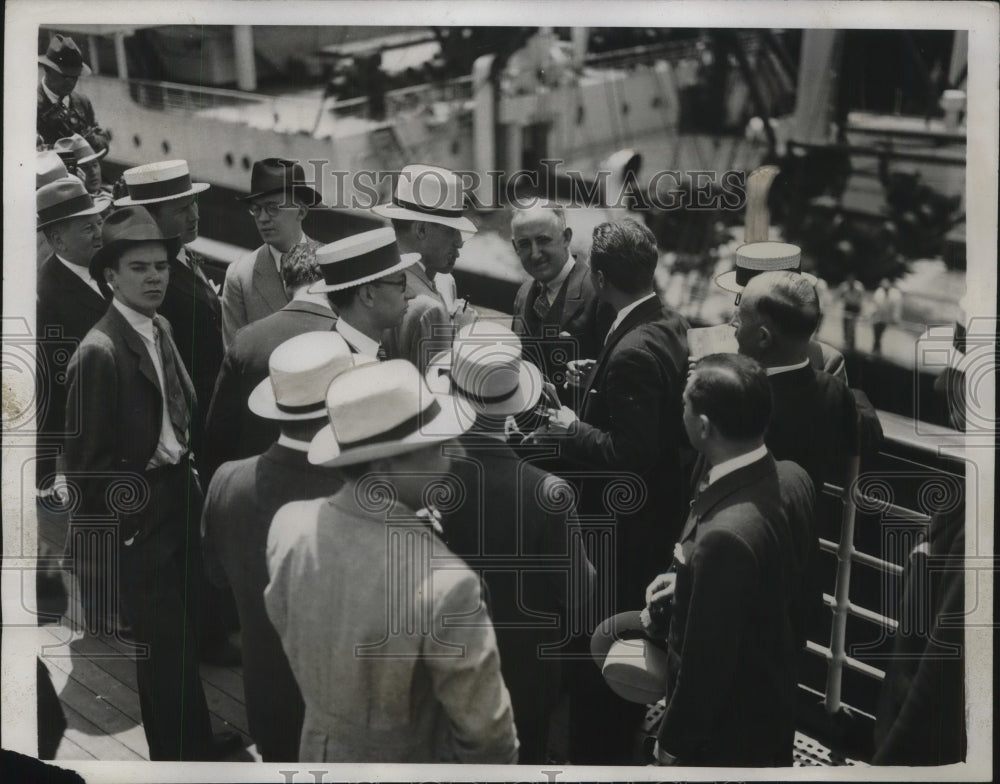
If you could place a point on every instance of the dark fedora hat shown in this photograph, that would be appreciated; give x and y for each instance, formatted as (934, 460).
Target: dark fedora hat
(124, 228)
(62, 199)
(63, 55)
(278, 175)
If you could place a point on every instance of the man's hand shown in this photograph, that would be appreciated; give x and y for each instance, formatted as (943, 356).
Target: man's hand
(562, 421)
(662, 588)
(577, 371)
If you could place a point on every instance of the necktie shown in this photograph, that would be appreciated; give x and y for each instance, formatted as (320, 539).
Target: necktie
(180, 416)
(541, 305)
(380, 355)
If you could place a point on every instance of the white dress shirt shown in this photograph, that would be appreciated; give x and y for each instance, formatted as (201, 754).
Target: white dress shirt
(625, 311)
(734, 463)
(773, 371)
(168, 449)
(83, 273)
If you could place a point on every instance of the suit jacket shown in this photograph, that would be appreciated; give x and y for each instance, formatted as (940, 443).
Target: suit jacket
(388, 675)
(825, 357)
(116, 417)
(630, 421)
(576, 310)
(241, 501)
(232, 431)
(511, 509)
(55, 122)
(731, 648)
(253, 289)
(426, 328)
(65, 310)
(195, 314)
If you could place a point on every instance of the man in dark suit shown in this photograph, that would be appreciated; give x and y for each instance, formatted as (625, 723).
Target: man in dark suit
(626, 444)
(241, 501)
(557, 313)
(731, 646)
(61, 111)
(69, 302)
(132, 438)
(513, 526)
(232, 432)
(279, 200)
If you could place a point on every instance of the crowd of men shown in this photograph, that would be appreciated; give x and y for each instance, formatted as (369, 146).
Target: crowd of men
(433, 525)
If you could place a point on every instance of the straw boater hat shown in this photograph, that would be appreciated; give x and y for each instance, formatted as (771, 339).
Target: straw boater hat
(485, 374)
(757, 257)
(635, 670)
(63, 199)
(277, 175)
(161, 181)
(380, 410)
(64, 56)
(79, 147)
(360, 258)
(428, 193)
(48, 168)
(299, 372)
(122, 229)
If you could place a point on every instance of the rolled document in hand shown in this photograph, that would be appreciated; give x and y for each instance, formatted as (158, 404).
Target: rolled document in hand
(720, 339)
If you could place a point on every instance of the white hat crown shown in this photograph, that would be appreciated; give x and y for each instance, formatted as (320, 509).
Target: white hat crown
(486, 362)
(301, 369)
(429, 187)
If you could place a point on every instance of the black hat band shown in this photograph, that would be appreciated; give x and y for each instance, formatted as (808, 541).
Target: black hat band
(438, 212)
(402, 430)
(65, 209)
(744, 275)
(337, 273)
(175, 186)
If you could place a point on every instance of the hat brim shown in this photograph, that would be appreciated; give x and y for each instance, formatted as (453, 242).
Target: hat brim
(405, 260)
(104, 255)
(529, 390)
(84, 68)
(196, 187)
(727, 281)
(312, 196)
(393, 212)
(95, 157)
(325, 451)
(262, 403)
(101, 203)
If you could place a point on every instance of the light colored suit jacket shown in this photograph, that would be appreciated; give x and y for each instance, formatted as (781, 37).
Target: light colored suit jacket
(388, 675)
(426, 328)
(252, 290)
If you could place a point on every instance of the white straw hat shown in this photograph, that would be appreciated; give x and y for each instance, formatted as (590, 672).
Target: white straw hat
(428, 193)
(754, 258)
(159, 181)
(360, 258)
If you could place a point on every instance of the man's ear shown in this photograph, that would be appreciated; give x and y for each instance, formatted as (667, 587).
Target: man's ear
(567, 234)
(764, 336)
(704, 426)
(109, 276)
(365, 295)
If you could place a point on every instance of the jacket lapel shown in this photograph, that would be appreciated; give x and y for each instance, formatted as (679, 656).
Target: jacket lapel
(266, 281)
(136, 345)
(74, 290)
(718, 491)
(573, 291)
(648, 310)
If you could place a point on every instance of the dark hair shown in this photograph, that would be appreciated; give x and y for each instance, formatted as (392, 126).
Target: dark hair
(733, 392)
(355, 472)
(625, 251)
(342, 297)
(789, 302)
(401, 225)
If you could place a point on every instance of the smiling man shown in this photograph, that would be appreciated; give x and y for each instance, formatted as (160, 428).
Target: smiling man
(128, 377)
(279, 200)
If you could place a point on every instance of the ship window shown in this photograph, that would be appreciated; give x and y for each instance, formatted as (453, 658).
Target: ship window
(579, 114)
(246, 162)
(137, 141)
(166, 147)
(230, 160)
(624, 108)
(456, 145)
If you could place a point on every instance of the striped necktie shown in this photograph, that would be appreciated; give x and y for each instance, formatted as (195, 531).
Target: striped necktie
(180, 416)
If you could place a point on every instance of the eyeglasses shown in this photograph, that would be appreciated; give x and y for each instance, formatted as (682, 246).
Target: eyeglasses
(400, 284)
(271, 209)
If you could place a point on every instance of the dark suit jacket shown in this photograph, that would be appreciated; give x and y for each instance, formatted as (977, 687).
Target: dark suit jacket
(195, 313)
(241, 501)
(731, 648)
(66, 309)
(232, 431)
(54, 122)
(576, 310)
(512, 510)
(117, 416)
(630, 421)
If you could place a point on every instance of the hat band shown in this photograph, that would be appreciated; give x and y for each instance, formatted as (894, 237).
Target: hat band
(402, 430)
(484, 399)
(65, 209)
(337, 273)
(307, 408)
(438, 212)
(175, 186)
(743, 275)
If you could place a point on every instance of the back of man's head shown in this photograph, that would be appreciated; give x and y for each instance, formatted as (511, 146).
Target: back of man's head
(732, 391)
(301, 270)
(788, 301)
(625, 251)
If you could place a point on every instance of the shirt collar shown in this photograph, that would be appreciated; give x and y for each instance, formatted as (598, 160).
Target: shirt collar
(276, 254)
(628, 309)
(735, 463)
(303, 295)
(51, 95)
(553, 286)
(83, 273)
(773, 371)
(139, 322)
(293, 443)
(364, 344)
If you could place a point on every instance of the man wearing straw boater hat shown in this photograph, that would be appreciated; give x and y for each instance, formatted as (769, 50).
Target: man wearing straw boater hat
(384, 627)
(128, 377)
(88, 162)
(512, 510)
(233, 432)
(365, 280)
(279, 199)
(241, 501)
(61, 110)
(69, 302)
(756, 257)
(427, 213)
